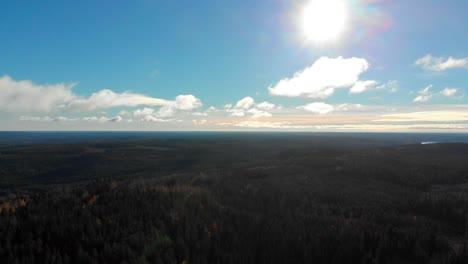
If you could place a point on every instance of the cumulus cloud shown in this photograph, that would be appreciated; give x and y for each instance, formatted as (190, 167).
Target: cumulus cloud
(424, 95)
(322, 78)
(318, 108)
(265, 106)
(348, 107)
(363, 86)
(256, 113)
(449, 92)
(143, 112)
(441, 63)
(25, 96)
(245, 103)
(247, 107)
(185, 102)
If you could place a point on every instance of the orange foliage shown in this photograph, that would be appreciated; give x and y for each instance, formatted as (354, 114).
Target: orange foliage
(22, 203)
(92, 200)
(7, 206)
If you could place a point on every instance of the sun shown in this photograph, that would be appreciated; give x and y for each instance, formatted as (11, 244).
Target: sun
(324, 20)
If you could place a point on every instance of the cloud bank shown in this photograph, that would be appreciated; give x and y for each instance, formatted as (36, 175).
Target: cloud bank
(26, 97)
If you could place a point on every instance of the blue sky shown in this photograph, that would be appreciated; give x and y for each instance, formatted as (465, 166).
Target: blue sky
(233, 65)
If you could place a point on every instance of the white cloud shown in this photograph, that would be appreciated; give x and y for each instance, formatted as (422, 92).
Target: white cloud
(109, 99)
(441, 63)
(318, 108)
(90, 118)
(348, 107)
(246, 106)
(257, 124)
(449, 92)
(35, 118)
(61, 119)
(236, 112)
(322, 78)
(391, 86)
(265, 106)
(256, 113)
(363, 86)
(426, 116)
(199, 114)
(143, 112)
(150, 118)
(200, 122)
(25, 96)
(185, 102)
(424, 95)
(245, 103)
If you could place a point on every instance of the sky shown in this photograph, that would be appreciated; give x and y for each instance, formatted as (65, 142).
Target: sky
(277, 65)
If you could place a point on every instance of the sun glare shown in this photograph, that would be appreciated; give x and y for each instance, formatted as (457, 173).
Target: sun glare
(324, 20)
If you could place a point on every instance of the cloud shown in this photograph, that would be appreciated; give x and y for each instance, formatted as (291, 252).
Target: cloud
(35, 118)
(247, 106)
(90, 118)
(143, 112)
(115, 119)
(449, 92)
(391, 86)
(185, 102)
(150, 118)
(426, 116)
(68, 119)
(424, 95)
(265, 106)
(441, 63)
(348, 107)
(318, 108)
(362, 86)
(256, 113)
(25, 96)
(322, 78)
(106, 98)
(260, 124)
(245, 103)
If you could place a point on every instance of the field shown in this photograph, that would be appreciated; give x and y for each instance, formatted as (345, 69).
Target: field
(235, 198)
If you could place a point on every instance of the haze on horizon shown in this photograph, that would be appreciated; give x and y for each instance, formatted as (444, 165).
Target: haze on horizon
(305, 65)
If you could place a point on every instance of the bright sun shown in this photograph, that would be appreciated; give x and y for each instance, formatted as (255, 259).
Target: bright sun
(324, 20)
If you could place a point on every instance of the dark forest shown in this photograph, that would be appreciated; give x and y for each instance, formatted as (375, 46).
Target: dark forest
(235, 199)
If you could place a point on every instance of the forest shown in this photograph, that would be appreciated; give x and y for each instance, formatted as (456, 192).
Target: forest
(248, 198)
